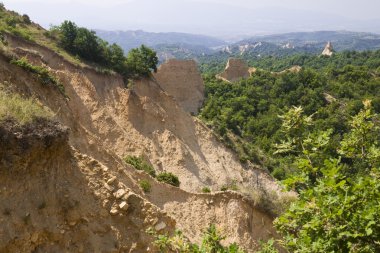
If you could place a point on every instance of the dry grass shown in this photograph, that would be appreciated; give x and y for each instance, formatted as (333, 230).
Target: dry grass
(20, 109)
(270, 201)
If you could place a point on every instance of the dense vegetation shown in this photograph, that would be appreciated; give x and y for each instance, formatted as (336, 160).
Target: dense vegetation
(313, 131)
(215, 63)
(249, 109)
(339, 193)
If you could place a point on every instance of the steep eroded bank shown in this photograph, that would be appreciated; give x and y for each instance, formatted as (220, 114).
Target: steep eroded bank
(108, 121)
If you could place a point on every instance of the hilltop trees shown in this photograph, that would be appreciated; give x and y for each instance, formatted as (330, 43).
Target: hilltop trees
(85, 44)
(68, 34)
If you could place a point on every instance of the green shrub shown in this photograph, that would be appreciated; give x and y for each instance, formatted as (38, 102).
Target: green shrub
(26, 19)
(211, 243)
(11, 21)
(206, 190)
(145, 185)
(169, 178)
(231, 186)
(140, 164)
(224, 188)
(267, 247)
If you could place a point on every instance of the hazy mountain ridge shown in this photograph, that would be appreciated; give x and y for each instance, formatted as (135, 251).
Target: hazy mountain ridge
(131, 39)
(342, 40)
(181, 51)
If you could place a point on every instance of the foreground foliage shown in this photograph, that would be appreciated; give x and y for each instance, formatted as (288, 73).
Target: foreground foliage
(140, 164)
(211, 243)
(339, 195)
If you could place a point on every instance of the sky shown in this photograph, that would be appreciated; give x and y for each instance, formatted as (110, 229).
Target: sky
(212, 17)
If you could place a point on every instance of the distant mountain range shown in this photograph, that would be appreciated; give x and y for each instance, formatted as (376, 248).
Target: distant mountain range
(187, 46)
(342, 40)
(131, 39)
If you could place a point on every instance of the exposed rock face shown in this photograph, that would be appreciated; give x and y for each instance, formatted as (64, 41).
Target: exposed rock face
(235, 70)
(182, 80)
(293, 69)
(328, 51)
(51, 194)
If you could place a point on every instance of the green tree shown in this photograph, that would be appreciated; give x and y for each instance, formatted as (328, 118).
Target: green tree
(26, 19)
(116, 58)
(142, 61)
(68, 33)
(87, 46)
(363, 137)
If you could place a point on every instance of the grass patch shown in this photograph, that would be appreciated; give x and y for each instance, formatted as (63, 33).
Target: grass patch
(20, 109)
(231, 186)
(206, 190)
(42, 73)
(140, 164)
(145, 185)
(169, 178)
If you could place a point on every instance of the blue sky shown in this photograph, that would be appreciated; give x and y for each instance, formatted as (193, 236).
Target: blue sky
(213, 17)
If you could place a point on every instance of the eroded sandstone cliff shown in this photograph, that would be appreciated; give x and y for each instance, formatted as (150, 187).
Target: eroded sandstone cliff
(235, 70)
(182, 80)
(106, 122)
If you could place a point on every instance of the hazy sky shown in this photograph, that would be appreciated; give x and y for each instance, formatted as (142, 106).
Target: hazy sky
(216, 17)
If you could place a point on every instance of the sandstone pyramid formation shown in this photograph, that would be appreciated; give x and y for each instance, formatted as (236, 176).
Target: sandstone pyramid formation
(235, 70)
(328, 51)
(182, 80)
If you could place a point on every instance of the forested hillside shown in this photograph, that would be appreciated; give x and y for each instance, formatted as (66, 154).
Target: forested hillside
(316, 130)
(212, 64)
